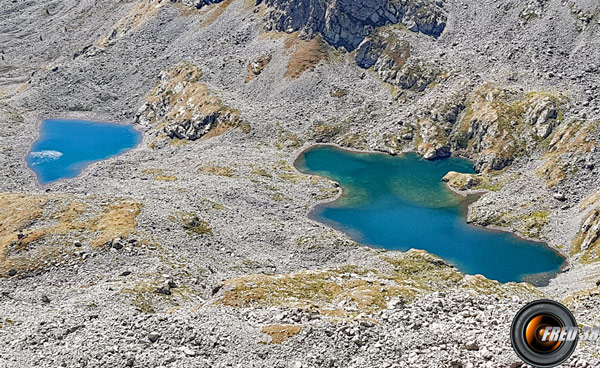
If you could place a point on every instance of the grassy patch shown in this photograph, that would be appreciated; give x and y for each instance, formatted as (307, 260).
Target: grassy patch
(215, 12)
(260, 171)
(215, 205)
(140, 13)
(338, 92)
(38, 230)
(192, 223)
(529, 224)
(306, 55)
(159, 175)
(327, 193)
(280, 333)
(347, 291)
(217, 170)
(351, 286)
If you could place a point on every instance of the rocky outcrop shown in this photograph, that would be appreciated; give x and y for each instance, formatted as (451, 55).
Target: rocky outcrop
(327, 132)
(492, 126)
(542, 114)
(569, 139)
(499, 125)
(433, 143)
(490, 123)
(416, 75)
(256, 66)
(199, 3)
(345, 23)
(389, 55)
(183, 107)
(591, 229)
(533, 9)
(383, 51)
(586, 241)
(460, 181)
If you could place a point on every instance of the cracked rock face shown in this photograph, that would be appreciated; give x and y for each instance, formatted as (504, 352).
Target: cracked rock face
(199, 3)
(346, 23)
(385, 52)
(433, 144)
(589, 233)
(542, 114)
(390, 58)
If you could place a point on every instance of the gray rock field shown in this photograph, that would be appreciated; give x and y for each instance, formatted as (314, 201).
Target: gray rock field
(195, 249)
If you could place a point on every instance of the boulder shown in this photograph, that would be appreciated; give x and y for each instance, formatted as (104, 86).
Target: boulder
(163, 291)
(542, 114)
(432, 151)
(198, 4)
(153, 336)
(256, 66)
(460, 181)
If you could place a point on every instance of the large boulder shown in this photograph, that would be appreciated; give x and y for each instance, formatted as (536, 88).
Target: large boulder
(461, 181)
(542, 114)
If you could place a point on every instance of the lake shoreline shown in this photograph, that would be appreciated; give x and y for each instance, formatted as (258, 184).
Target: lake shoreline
(88, 165)
(479, 193)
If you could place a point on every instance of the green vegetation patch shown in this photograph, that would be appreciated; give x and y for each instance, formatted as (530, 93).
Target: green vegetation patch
(347, 291)
(192, 223)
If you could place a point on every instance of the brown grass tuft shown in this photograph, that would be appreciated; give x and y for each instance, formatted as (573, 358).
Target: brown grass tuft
(141, 12)
(216, 12)
(306, 55)
(217, 170)
(280, 333)
(37, 230)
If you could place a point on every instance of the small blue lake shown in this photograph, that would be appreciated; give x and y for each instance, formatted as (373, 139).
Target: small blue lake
(66, 147)
(399, 203)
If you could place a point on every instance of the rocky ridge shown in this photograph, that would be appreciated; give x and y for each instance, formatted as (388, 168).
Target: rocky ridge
(346, 23)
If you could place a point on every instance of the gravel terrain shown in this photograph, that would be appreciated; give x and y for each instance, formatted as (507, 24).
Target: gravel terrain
(195, 248)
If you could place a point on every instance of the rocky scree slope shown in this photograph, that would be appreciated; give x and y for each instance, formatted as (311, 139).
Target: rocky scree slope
(212, 261)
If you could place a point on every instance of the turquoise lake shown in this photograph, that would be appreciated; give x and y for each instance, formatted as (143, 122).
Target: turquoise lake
(398, 203)
(66, 147)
